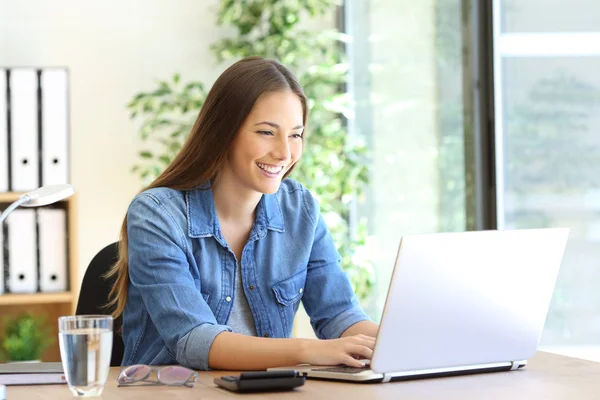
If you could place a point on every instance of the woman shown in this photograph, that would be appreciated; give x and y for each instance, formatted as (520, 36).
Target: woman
(217, 253)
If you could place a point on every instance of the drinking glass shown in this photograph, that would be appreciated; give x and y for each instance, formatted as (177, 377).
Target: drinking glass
(85, 350)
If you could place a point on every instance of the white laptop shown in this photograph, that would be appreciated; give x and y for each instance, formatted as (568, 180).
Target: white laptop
(461, 303)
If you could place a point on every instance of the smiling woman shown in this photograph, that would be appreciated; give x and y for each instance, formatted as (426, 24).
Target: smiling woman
(217, 253)
(268, 144)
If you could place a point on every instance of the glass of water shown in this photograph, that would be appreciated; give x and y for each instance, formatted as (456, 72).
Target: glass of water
(85, 350)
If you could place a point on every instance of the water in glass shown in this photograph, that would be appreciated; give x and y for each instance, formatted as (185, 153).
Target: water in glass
(85, 349)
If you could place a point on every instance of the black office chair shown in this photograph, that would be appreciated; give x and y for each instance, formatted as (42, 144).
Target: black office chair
(94, 295)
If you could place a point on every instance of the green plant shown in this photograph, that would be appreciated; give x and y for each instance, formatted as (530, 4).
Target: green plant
(334, 165)
(25, 338)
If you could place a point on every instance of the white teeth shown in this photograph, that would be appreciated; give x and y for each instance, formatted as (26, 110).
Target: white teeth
(270, 169)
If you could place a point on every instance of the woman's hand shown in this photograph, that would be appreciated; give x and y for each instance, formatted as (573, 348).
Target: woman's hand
(347, 350)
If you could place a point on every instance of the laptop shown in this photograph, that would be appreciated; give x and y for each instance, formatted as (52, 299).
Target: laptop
(461, 303)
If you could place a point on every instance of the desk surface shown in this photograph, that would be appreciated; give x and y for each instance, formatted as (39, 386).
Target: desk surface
(547, 376)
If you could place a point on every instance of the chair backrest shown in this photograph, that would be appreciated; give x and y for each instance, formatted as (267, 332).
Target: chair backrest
(94, 295)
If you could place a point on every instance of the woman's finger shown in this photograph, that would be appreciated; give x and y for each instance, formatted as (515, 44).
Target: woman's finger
(366, 341)
(351, 362)
(361, 351)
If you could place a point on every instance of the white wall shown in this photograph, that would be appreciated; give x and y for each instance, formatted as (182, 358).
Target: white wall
(113, 50)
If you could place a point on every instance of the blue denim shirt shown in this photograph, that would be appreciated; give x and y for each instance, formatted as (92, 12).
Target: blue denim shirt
(182, 274)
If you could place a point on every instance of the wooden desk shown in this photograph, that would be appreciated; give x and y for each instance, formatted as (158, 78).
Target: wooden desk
(547, 376)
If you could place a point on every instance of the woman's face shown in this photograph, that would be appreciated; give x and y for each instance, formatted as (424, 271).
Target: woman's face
(268, 144)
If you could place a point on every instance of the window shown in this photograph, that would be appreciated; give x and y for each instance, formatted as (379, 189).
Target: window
(406, 79)
(547, 103)
(410, 78)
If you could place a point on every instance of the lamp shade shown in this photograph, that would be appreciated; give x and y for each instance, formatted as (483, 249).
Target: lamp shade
(48, 195)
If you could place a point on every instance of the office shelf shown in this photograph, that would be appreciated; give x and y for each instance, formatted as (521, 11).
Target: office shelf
(49, 306)
(36, 298)
(9, 197)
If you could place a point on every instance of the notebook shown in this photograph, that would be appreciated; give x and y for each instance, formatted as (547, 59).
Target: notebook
(31, 373)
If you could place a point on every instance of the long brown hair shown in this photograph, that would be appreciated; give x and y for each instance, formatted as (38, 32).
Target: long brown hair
(225, 109)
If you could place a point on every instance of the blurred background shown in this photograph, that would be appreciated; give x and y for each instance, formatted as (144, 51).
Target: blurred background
(428, 116)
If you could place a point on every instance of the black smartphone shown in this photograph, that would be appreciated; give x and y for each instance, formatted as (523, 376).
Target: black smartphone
(262, 381)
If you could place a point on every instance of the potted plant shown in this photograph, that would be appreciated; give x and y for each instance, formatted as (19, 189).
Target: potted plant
(334, 165)
(25, 338)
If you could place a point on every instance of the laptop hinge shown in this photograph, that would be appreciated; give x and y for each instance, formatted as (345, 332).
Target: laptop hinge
(386, 378)
(514, 365)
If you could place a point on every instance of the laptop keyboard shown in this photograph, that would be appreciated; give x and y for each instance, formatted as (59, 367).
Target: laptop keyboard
(342, 369)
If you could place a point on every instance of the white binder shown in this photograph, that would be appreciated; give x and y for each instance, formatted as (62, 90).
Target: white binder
(22, 257)
(53, 84)
(1, 261)
(24, 129)
(3, 133)
(52, 224)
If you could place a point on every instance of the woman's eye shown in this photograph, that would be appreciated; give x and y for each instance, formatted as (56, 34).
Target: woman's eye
(267, 133)
(297, 136)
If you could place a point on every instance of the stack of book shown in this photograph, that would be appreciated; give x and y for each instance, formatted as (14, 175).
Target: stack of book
(34, 373)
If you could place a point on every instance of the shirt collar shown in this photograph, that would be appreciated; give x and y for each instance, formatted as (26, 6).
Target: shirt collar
(202, 215)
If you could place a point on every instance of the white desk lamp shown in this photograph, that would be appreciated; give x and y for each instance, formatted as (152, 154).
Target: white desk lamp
(40, 197)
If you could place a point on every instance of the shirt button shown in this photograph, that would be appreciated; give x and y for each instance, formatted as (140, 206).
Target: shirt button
(228, 299)
(266, 335)
(251, 287)
(301, 290)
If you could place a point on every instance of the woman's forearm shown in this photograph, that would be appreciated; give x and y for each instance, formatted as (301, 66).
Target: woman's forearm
(368, 328)
(233, 351)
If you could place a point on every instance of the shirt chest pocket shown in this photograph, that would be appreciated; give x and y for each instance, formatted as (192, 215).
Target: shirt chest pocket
(288, 293)
(203, 292)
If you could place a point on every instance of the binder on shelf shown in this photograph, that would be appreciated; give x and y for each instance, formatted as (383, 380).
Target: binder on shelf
(24, 129)
(22, 254)
(53, 83)
(52, 224)
(3, 132)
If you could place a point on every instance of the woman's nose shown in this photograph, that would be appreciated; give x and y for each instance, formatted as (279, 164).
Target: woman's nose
(282, 150)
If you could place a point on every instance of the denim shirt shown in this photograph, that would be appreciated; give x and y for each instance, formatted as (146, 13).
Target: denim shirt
(182, 274)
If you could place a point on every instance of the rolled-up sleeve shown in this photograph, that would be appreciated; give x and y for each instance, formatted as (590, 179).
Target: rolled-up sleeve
(328, 298)
(160, 271)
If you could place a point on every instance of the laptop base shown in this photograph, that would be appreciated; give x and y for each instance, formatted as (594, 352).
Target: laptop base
(366, 375)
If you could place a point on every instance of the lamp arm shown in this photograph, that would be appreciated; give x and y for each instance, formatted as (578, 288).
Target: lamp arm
(22, 200)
